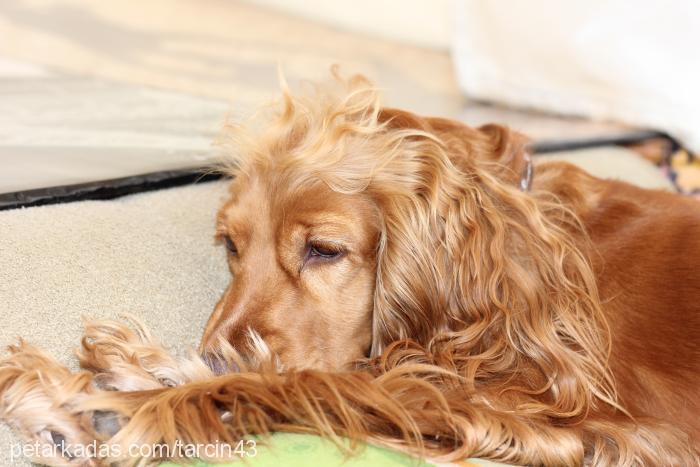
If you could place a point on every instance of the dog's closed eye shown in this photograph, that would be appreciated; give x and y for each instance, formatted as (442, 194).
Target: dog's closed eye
(230, 246)
(323, 251)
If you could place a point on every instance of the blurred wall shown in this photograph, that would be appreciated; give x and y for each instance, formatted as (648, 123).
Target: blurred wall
(426, 23)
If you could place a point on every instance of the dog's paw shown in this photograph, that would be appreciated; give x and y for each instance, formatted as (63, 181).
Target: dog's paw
(127, 357)
(37, 398)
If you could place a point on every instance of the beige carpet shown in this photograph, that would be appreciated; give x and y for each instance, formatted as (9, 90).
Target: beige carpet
(150, 254)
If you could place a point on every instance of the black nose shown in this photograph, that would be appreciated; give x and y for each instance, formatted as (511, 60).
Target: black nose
(218, 365)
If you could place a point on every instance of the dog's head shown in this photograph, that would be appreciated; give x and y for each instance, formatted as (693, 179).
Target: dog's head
(303, 261)
(351, 226)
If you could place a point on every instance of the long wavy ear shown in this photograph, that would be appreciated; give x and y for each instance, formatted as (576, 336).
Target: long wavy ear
(467, 256)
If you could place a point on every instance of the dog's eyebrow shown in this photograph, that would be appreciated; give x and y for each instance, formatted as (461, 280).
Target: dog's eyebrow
(328, 242)
(340, 242)
(319, 219)
(339, 230)
(221, 222)
(228, 222)
(220, 231)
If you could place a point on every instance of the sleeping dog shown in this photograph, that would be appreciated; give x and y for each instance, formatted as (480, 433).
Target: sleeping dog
(415, 283)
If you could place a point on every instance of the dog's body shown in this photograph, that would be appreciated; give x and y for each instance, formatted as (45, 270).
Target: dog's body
(417, 297)
(646, 249)
(644, 246)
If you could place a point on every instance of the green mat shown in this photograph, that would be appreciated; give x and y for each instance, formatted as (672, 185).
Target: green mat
(296, 450)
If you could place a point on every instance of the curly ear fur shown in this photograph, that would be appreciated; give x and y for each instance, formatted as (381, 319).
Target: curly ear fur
(469, 262)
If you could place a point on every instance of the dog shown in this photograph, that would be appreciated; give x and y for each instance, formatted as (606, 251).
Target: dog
(415, 283)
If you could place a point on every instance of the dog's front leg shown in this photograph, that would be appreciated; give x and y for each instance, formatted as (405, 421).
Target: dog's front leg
(130, 358)
(37, 397)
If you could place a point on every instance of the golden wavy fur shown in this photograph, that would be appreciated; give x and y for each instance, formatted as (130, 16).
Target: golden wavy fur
(489, 336)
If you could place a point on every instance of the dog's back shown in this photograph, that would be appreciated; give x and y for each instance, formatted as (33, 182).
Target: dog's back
(645, 248)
